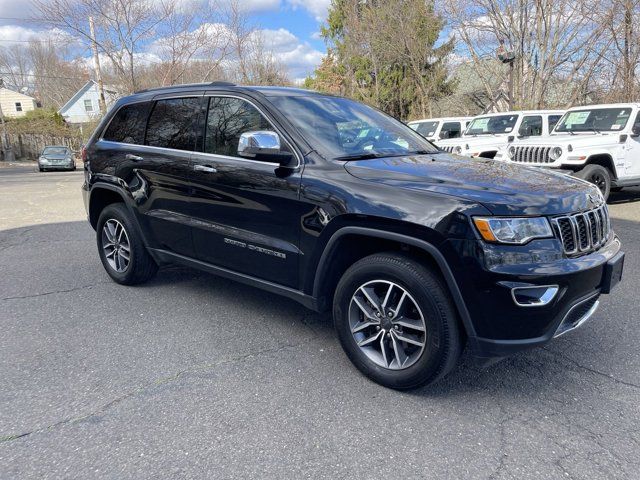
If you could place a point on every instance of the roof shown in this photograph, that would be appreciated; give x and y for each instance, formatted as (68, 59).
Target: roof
(442, 119)
(606, 105)
(523, 112)
(14, 92)
(80, 92)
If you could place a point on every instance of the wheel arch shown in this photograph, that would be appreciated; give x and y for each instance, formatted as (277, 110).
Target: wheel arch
(101, 196)
(333, 263)
(604, 160)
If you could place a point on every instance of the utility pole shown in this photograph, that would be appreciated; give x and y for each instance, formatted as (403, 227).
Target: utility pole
(96, 67)
(508, 57)
(7, 152)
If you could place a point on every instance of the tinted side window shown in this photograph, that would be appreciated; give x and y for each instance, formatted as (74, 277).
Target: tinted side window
(172, 123)
(553, 119)
(531, 126)
(453, 128)
(128, 124)
(227, 119)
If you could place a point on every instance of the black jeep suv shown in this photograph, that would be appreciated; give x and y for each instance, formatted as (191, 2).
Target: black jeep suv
(339, 206)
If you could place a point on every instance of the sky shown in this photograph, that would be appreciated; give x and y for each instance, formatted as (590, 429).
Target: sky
(290, 29)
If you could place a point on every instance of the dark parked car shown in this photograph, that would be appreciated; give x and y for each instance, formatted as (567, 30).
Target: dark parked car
(332, 203)
(56, 158)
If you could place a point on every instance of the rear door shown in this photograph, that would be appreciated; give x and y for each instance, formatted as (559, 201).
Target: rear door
(149, 145)
(247, 213)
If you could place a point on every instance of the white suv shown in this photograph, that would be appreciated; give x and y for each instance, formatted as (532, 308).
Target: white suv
(434, 129)
(487, 134)
(598, 143)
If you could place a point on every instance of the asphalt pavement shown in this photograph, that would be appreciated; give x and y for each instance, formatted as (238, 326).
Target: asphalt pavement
(193, 376)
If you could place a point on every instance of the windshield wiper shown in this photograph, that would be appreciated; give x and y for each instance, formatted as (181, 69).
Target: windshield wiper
(358, 156)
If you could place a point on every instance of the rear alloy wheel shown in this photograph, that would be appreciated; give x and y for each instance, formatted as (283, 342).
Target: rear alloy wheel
(396, 321)
(122, 252)
(599, 176)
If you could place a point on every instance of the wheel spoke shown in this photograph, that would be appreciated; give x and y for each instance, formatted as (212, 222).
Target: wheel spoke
(383, 349)
(398, 350)
(407, 337)
(111, 253)
(372, 297)
(396, 311)
(124, 255)
(365, 308)
(412, 323)
(387, 296)
(370, 340)
(110, 231)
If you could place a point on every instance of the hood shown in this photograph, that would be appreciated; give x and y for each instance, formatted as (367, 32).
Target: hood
(563, 139)
(503, 188)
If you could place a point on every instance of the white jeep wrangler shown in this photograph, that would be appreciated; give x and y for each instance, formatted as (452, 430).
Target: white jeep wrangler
(488, 133)
(434, 129)
(598, 143)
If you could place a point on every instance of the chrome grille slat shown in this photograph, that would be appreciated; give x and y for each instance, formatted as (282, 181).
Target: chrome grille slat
(532, 155)
(583, 232)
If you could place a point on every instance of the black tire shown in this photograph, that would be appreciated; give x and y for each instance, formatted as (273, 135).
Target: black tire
(141, 266)
(41, 169)
(443, 341)
(599, 176)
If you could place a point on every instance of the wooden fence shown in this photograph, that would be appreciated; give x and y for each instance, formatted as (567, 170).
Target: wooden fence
(28, 146)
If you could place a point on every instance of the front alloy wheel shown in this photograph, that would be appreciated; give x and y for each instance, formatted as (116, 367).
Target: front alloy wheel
(396, 321)
(387, 324)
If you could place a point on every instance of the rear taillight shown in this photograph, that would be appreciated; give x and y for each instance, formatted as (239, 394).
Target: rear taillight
(84, 154)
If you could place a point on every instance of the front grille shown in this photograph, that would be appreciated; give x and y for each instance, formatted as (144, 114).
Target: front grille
(532, 155)
(448, 149)
(584, 232)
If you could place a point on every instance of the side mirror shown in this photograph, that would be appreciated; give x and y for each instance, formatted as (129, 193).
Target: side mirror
(635, 130)
(444, 135)
(264, 145)
(510, 138)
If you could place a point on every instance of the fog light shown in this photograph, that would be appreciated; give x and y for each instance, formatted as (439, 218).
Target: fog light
(537, 296)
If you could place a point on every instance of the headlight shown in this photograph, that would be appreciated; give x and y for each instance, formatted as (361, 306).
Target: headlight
(512, 230)
(43, 160)
(511, 151)
(457, 150)
(555, 153)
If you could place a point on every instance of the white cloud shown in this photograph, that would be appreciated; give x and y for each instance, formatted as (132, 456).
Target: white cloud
(19, 34)
(318, 8)
(251, 6)
(299, 58)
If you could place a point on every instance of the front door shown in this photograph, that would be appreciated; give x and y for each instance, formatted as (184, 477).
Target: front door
(246, 213)
(632, 153)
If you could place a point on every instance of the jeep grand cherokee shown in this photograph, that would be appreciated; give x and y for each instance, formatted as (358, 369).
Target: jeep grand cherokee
(416, 251)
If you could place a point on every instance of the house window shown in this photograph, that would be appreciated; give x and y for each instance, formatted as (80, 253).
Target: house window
(18, 106)
(88, 105)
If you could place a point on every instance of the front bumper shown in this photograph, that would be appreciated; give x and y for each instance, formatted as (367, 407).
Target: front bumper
(56, 166)
(501, 327)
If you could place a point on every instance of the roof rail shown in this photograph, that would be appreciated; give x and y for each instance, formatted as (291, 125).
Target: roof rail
(169, 87)
(222, 84)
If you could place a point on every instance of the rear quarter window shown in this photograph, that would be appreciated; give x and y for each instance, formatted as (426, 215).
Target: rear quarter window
(128, 124)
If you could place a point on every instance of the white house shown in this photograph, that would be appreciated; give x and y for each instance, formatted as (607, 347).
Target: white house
(15, 104)
(84, 106)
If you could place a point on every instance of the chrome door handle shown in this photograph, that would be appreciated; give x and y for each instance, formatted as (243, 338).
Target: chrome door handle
(204, 168)
(135, 158)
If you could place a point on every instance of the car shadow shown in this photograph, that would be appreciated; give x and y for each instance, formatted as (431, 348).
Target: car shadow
(627, 195)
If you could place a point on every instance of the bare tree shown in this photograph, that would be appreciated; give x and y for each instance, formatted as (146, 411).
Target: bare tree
(122, 28)
(557, 43)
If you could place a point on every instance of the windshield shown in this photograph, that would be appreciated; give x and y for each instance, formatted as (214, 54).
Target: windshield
(55, 151)
(426, 129)
(492, 125)
(596, 120)
(338, 128)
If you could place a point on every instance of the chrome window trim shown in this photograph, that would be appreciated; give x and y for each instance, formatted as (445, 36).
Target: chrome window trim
(194, 152)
